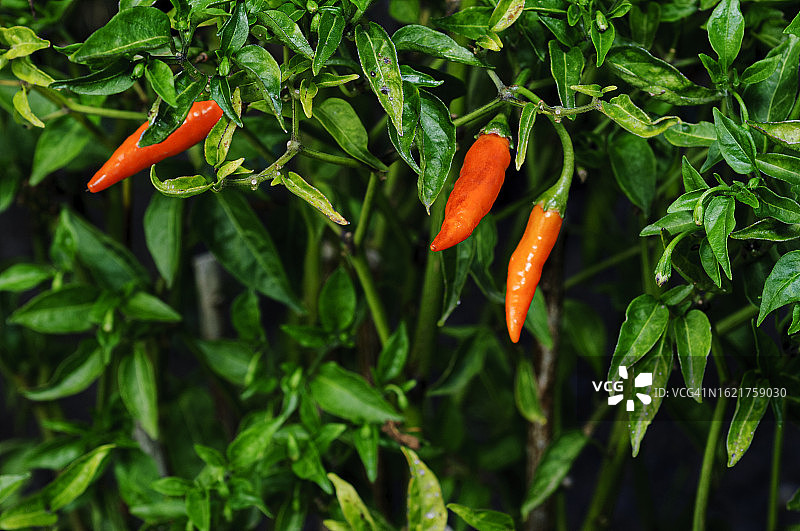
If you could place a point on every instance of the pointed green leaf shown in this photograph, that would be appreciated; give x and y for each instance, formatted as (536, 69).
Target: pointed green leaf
(76, 478)
(725, 31)
(416, 38)
(163, 233)
(782, 285)
(425, 509)
(658, 362)
(128, 32)
(60, 311)
(526, 394)
(330, 31)
(341, 121)
(566, 69)
(633, 119)
(483, 519)
(347, 395)
(436, 139)
(735, 143)
(645, 321)
(137, 387)
(353, 508)
(378, 57)
(287, 31)
(693, 342)
(263, 68)
(719, 222)
(526, 119)
(553, 468)
(299, 187)
(750, 407)
(701, 134)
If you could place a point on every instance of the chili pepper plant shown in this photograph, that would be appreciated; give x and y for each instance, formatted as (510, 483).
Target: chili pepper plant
(252, 324)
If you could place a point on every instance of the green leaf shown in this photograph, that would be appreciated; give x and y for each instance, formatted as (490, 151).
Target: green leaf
(658, 362)
(645, 321)
(112, 264)
(674, 223)
(710, 263)
(693, 341)
(483, 519)
(10, 483)
(76, 478)
(76, 373)
(337, 302)
(794, 503)
(750, 407)
(782, 285)
(160, 76)
(393, 356)
(536, 320)
(786, 133)
(378, 57)
(169, 118)
(60, 311)
(634, 166)
(21, 42)
(180, 187)
(436, 139)
(692, 180)
(347, 395)
(26, 71)
(326, 79)
(587, 333)
(287, 32)
(471, 22)
(780, 166)
(250, 445)
(701, 134)
(116, 78)
(455, 276)
(299, 187)
(526, 119)
(725, 31)
(526, 394)
(163, 232)
(233, 33)
(264, 70)
(330, 31)
(778, 207)
(141, 306)
(659, 78)
(221, 93)
(771, 100)
(127, 33)
(768, 229)
(366, 443)
(425, 506)
(416, 38)
(602, 39)
(353, 508)
(218, 141)
(62, 140)
(553, 468)
(633, 119)
(341, 121)
(760, 70)
(233, 360)
(719, 222)
(234, 234)
(30, 513)
(735, 143)
(246, 316)
(505, 13)
(644, 24)
(411, 112)
(794, 26)
(22, 277)
(466, 366)
(566, 69)
(198, 505)
(23, 107)
(137, 388)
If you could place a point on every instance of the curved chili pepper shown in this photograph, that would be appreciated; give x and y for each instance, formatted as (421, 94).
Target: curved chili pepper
(475, 190)
(130, 159)
(525, 266)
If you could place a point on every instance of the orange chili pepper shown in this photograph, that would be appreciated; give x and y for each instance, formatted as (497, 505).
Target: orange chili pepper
(525, 266)
(475, 190)
(130, 159)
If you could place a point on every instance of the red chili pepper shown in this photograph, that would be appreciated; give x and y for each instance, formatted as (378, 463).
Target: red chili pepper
(130, 159)
(475, 190)
(525, 266)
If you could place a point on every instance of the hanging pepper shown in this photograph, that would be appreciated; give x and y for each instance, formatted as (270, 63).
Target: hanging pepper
(541, 233)
(130, 159)
(525, 266)
(477, 186)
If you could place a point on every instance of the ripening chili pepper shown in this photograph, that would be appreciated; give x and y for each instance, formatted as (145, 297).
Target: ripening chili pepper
(130, 159)
(476, 188)
(525, 266)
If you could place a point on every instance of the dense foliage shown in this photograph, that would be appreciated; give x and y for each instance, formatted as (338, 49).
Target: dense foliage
(202, 350)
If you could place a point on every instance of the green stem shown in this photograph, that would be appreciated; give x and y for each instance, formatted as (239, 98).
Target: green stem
(295, 116)
(742, 107)
(558, 111)
(57, 98)
(599, 267)
(775, 474)
(366, 210)
(332, 159)
(496, 80)
(704, 483)
(478, 113)
(736, 319)
(608, 477)
(376, 309)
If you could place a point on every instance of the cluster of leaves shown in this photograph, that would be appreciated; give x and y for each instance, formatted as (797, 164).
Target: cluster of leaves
(295, 407)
